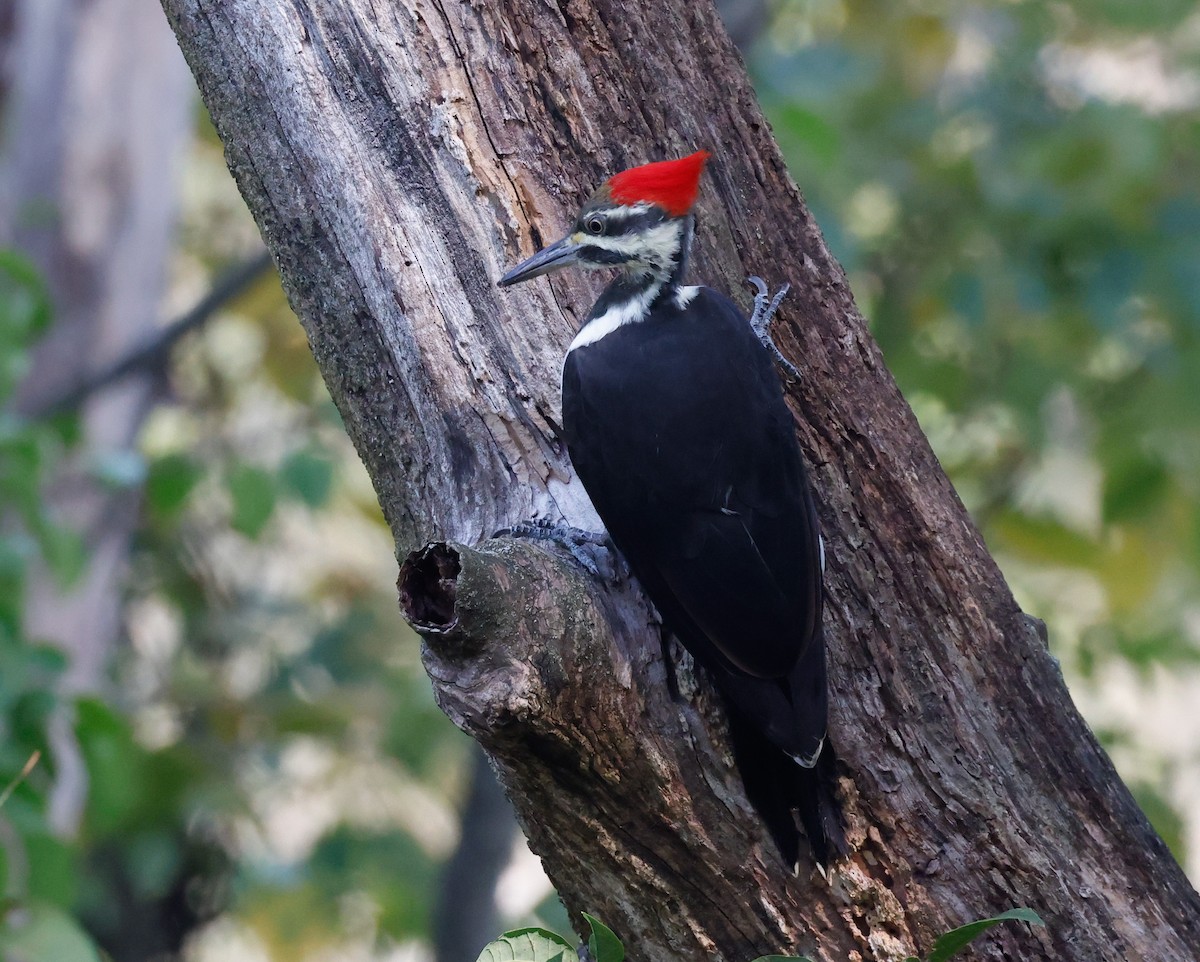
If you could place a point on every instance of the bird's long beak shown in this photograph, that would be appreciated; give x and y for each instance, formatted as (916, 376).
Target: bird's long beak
(559, 254)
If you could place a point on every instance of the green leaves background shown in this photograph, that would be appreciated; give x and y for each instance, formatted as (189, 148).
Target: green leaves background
(1013, 190)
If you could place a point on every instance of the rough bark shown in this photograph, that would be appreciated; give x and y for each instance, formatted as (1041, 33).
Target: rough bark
(396, 157)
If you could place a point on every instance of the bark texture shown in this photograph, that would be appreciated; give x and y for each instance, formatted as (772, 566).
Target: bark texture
(396, 157)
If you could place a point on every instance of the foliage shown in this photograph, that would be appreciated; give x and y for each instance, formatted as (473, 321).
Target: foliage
(603, 944)
(1014, 190)
(541, 945)
(958, 939)
(267, 676)
(529, 945)
(36, 884)
(269, 660)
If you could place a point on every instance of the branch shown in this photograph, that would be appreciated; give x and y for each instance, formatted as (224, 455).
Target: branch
(641, 818)
(153, 353)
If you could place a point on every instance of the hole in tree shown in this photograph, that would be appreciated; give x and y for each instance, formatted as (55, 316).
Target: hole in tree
(428, 586)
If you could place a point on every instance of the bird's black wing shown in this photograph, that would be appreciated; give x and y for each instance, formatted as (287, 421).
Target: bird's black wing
(678, 429)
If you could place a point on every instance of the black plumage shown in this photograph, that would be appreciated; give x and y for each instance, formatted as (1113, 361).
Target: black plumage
(676, 424)
(679, 432)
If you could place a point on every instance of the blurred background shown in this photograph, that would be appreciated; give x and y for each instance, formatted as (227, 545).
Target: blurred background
(229, 748)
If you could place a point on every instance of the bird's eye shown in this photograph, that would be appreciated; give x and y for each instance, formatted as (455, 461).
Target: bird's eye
(595, 225)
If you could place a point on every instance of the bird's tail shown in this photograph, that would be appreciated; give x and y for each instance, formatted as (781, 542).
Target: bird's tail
(816, 804)
(780, 789)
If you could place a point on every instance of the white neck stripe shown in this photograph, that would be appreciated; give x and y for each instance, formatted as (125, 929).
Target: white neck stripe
(627, 312)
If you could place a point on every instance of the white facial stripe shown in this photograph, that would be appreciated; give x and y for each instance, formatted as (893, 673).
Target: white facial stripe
(617, 214)
(619, 244)
(656, 247)
(684, 296)
(628, 312)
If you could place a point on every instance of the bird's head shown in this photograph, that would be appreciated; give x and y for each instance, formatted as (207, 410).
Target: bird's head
(639, 220)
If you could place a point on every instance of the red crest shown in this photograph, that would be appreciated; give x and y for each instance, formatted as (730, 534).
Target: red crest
(671, 184)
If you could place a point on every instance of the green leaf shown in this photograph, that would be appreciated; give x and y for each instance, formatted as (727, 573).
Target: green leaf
(53, 870)
(47, 932)
(114, 763)
(308, 476)
(529, 945)
(536, 930)
(956, 939)
(1045, 541)
(603, 942)
(24, 297)
(24, 314)
(63, 551)
(170, 481)
(45, 660)
(1133, 488)
(253, 493)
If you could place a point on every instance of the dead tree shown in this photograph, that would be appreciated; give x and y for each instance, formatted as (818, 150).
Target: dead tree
(396, 156)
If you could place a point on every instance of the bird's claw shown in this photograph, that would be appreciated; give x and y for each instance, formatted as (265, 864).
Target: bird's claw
(591, 550)
(765, 307)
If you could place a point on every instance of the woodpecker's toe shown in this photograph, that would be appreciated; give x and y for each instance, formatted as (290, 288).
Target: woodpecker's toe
(764, 312)
(591, 550)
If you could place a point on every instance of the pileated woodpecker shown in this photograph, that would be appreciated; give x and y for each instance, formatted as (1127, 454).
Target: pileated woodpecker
(675, 422)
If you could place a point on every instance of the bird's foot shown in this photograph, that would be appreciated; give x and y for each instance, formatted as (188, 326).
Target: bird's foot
(765, 307)
(591, 550)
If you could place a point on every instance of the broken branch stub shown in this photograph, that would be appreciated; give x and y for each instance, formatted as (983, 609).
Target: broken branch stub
(637, 760)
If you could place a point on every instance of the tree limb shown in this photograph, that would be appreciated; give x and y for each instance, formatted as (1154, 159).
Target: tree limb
(153, 352)
(616, 743)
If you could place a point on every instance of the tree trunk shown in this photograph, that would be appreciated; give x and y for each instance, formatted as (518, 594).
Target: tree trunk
(396, 158)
